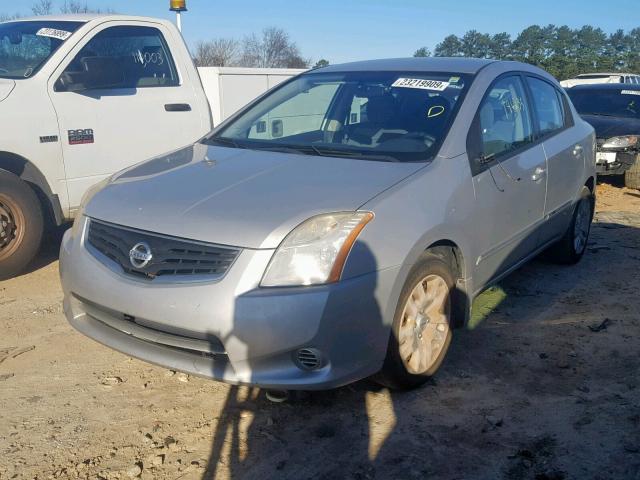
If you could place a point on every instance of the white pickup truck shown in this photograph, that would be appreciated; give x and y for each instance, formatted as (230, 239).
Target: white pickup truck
(81, 97)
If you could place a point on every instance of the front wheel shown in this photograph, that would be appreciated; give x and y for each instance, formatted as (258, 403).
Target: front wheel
(572, 245)
(421, 331)
(21, 225)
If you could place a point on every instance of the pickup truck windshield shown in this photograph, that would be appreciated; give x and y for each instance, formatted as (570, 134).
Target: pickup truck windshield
(387, 116)
(609, 103)
(26, 46)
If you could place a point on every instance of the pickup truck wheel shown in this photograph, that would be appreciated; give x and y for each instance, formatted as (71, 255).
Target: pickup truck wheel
(571, 247)
(21, 225)
(421, 331)
(632, 176)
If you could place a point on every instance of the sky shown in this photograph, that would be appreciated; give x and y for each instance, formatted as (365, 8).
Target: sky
(346, 30)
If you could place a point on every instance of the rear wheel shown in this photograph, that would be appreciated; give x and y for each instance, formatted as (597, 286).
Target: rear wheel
(632, 176)
(421, 331)
(571, 247)
(21, 225)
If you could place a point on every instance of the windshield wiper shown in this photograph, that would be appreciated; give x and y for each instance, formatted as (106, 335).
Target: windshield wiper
(330, 152)
(226, 141)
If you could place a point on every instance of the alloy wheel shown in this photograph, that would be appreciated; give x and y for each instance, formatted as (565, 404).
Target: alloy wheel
(581, 226)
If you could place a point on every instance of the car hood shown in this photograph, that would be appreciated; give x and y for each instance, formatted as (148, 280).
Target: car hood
(239, 197)
(607, 127)
(6, 87)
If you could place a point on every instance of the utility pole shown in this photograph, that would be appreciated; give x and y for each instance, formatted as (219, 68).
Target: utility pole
(178, 6)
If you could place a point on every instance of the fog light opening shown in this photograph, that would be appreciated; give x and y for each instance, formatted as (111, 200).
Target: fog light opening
(309, 359)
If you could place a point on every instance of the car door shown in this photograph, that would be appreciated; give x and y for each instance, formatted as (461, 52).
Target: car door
(119, 100)
(509, 179)
(565, 149)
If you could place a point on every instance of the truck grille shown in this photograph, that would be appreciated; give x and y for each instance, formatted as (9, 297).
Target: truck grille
(167, 256)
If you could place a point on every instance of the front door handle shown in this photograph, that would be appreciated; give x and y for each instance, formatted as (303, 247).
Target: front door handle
(177, 107)
(538, 173)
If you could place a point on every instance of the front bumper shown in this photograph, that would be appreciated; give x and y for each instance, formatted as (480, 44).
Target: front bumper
(232, 330)
(620, 163)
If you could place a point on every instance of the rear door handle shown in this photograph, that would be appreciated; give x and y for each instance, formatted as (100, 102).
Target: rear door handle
(177, 107)
(538, 173)
(577, 150)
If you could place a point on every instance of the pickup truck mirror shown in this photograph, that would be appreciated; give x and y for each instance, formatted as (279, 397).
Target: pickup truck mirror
(99, 73)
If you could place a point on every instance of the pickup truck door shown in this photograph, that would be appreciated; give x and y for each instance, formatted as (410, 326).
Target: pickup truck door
(125, 94)
(509, 180)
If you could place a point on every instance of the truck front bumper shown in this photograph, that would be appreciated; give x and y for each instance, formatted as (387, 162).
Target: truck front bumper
(232, 330)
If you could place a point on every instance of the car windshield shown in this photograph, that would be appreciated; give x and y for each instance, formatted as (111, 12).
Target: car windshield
(610, 103)
(26, 46)
(387, 116)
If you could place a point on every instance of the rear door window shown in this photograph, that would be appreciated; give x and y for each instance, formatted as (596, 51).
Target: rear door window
(549, 112)
(130, 56)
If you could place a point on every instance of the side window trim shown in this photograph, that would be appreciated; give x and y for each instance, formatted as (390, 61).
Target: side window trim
(474, 137)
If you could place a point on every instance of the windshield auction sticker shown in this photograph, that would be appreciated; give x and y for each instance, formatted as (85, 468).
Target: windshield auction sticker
(630, 92)
(53, 33)
(421, 83)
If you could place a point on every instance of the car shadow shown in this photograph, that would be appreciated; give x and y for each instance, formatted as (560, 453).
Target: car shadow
(507, 402)
(49, 249)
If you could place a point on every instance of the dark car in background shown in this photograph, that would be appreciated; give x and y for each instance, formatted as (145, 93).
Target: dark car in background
(614, 112)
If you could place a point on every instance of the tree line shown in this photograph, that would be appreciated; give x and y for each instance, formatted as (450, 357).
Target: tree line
(562, 51)
(273, 48)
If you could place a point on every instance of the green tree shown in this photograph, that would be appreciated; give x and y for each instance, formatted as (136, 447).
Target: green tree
(476, 44)
(531, 45)
(590, 48)
(321, 63)
(451, 46)
(422, 52)
(500, 46)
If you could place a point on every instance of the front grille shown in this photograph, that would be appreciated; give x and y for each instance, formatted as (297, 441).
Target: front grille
(170, 256)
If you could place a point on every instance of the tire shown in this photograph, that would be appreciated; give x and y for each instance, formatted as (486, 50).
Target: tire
(568, 250)
(632, 176)
(21, 225)
(404, 370)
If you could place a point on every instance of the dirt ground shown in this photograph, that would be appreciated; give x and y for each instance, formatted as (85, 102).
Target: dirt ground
(545, 386)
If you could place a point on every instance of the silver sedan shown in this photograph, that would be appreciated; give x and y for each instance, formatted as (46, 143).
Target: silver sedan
(337, 227)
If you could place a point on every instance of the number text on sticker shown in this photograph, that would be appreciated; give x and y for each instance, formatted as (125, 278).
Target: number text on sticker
(421, 83)
(53, 33)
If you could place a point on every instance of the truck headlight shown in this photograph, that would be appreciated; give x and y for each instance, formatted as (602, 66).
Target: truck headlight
(315, 252)
(621, 142)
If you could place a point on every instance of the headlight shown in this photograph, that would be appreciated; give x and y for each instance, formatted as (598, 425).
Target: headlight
(621, 142)
(315, 251)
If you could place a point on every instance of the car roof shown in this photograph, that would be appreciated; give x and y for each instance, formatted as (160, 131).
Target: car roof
(422, 64)
(606, 74)
(605, 86)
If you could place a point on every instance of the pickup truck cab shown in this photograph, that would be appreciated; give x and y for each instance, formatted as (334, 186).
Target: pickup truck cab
(85, 96)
